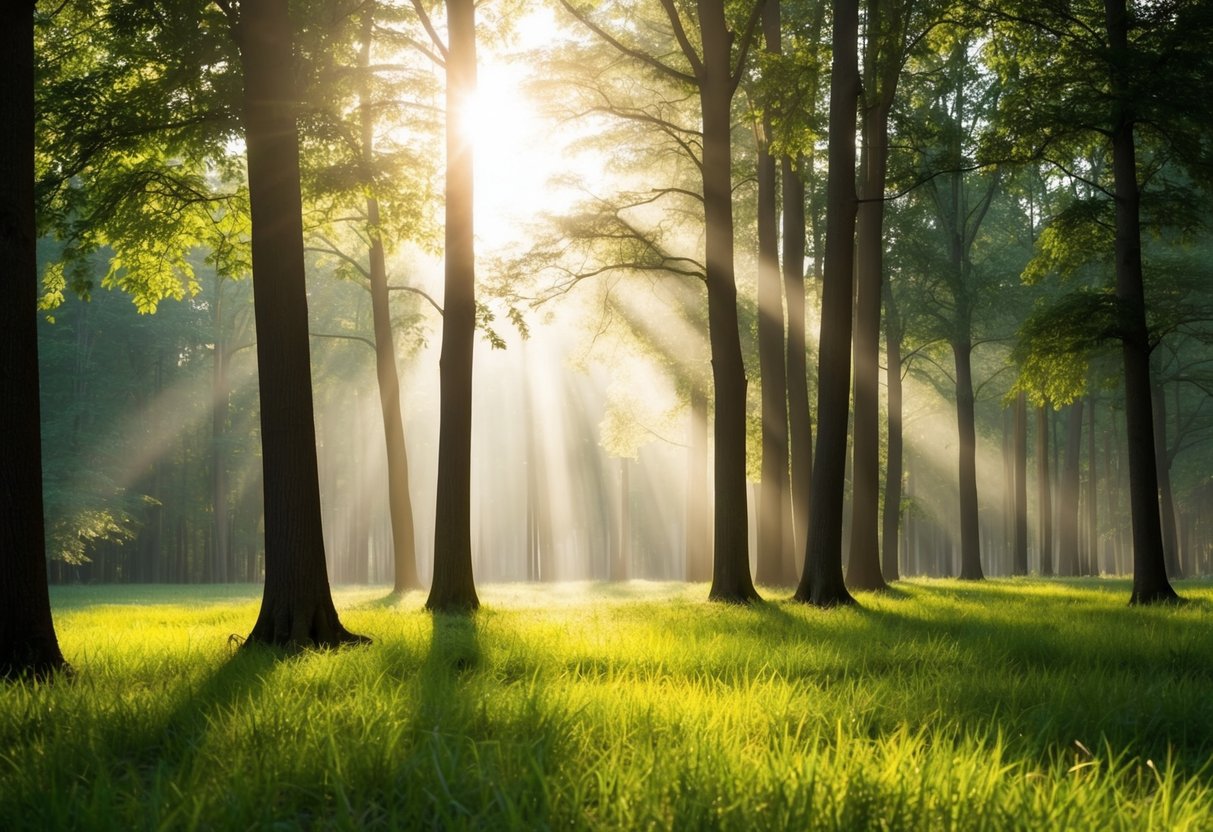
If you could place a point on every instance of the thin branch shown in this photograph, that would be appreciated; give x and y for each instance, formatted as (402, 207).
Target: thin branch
(339, 337)
(680, 35)
(631, 52)
(430, 30)
(420, 293)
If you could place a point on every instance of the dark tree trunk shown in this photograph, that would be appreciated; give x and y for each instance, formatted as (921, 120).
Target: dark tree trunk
(731, 580)
(1019, 553)
(1150, 582)
(821, 583)
(400, 504)
(970, 535)
(774, 508)
(1067, 512)
(863, 566)
(698, 540)
(800, 422)
(893, 470)
(28, 644)
(1042, 483)
(453, 588)
(297, 606)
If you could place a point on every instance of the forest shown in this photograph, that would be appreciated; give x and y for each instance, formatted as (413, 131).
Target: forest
(680, 413)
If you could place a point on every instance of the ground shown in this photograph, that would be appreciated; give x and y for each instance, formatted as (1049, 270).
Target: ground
(1017, 704)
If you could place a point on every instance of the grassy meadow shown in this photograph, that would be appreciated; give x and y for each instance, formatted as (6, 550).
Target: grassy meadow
(1017, 704)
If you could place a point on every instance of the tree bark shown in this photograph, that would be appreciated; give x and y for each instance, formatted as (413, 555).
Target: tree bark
(822, 583)
(1067, 513)
(970, 534)
(453, 588)
(893, 470)
(28, 644)
(1150, 582)
(800, 421)
(773, 505)
(1166, 498)
(731, 580)
(297, 605)
(400, 504)
(1046, 500)
(1019, 553)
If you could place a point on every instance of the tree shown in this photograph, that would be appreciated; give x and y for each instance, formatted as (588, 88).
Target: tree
(453, 587)
(28, 643)
(297, 604)
(714, 72)
(1019, 546)
(821, 582)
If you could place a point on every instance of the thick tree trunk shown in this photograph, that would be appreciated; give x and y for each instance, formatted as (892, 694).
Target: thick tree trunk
(1042, 483)
(698, 540)
(970, 534)
(220, 396)
(28, 644)
(297, 606)
(1019, 552)
(774, 508)
(731, 580)
(821, 583)
(893, 469)
(400, 504)
(1067, 513)
(1150, 582)
(453, 588)
(863, 566)
(800, 421)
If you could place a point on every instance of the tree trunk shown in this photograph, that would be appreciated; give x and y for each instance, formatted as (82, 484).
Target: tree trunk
(893, 470)
(800, 421)
(453, 588)
(773, 506)
(1042, 484)
(220, 396)
(297, 606)
(863, 566)
(1092, 560)
(731, 580)
(970, 542)
(400, 504)
(28, 644)
(621, 558)
(821, 583)
(1019, 554)
(1067, 514)
(1150, 582)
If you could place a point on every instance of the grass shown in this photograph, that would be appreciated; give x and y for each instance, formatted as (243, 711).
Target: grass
(1006, 705)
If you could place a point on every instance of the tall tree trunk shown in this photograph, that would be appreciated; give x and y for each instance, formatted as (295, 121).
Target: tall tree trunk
(1067, 514)
(970, 536)
(1092, 561)
(731, 580)
(1042, 484)
(773, 505)
(28, 644)
(893, 469)
(863, 566)
(453, 587)
(1019, 552)
(621, 558)
(698, 541)
(1150, 582)
(297, 606)
(821, 583)
(800, 421)
(400, 504)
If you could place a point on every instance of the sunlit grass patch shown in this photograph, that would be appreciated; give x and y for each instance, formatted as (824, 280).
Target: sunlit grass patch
(1008, 705)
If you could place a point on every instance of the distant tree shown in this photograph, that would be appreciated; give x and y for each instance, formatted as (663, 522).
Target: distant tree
(28, 644)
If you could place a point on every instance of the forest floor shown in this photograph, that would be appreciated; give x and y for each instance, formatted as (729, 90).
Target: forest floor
(1010, 704)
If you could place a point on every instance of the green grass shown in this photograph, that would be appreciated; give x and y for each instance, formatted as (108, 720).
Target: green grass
(1007, 705)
